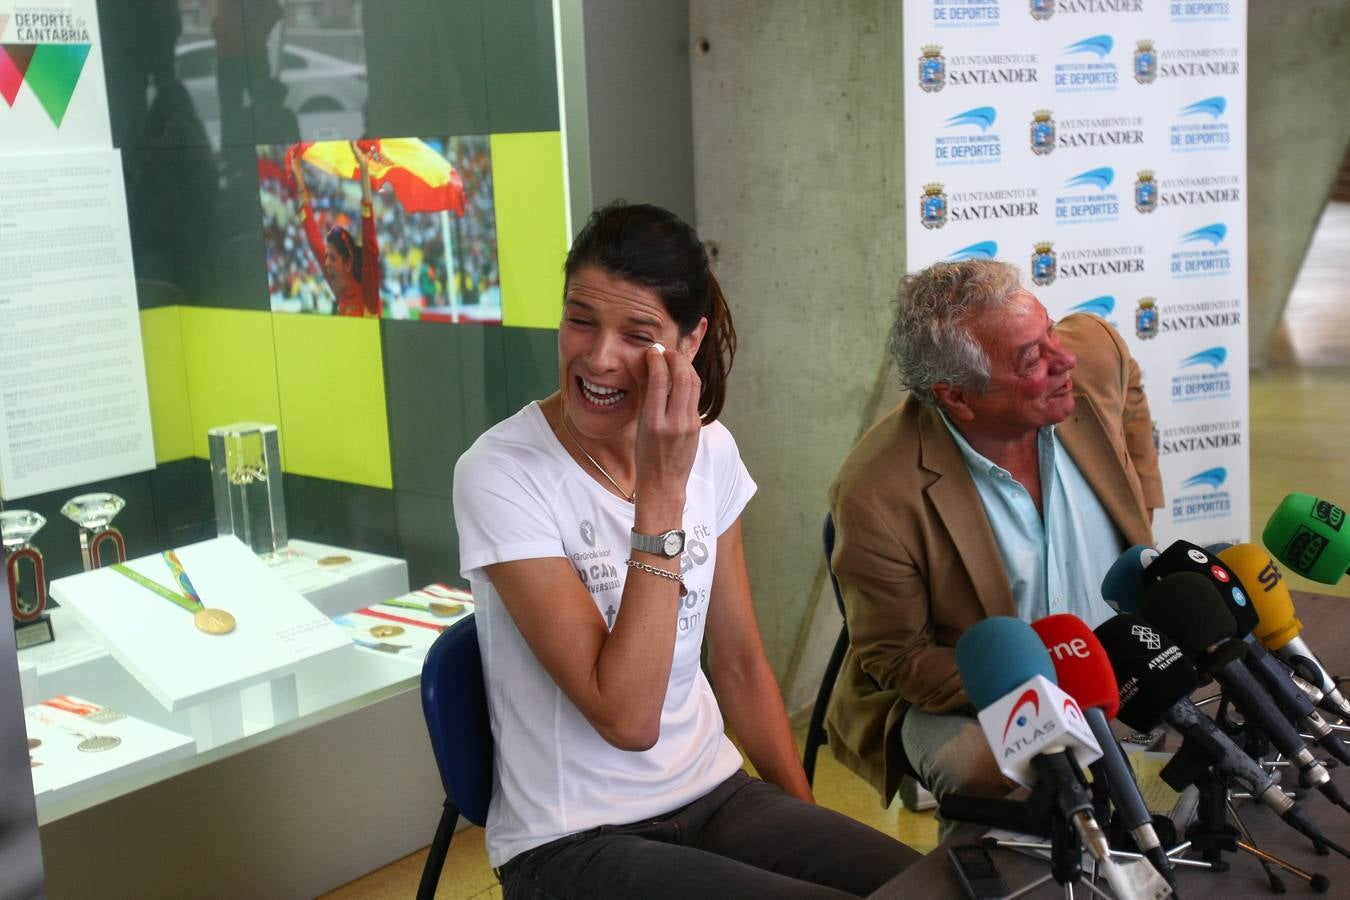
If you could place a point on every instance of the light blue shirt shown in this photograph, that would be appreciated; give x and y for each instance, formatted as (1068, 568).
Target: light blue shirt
(1055, 564)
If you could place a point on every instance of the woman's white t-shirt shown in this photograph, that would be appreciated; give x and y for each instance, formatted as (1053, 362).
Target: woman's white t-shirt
(520, 495)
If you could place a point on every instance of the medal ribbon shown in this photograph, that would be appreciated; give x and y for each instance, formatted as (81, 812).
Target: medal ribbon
(402, 619)
(188, 603)
(180, 575)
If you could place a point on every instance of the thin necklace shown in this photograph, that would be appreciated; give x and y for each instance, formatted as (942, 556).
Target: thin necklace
(631, 498)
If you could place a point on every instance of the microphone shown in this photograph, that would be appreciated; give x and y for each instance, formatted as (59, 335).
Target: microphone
(1123, 583)
(1155, 681)
(1085, 673)
(1278, 628)
(1183, 556)
(1186, 607)
(1010, 679)
(1307, 534)
(1039, 736)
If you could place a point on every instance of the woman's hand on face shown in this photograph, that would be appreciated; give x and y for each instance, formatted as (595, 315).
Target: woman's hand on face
(668, 424)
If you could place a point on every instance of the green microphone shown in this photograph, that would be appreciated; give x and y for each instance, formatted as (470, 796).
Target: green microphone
(1308, 535)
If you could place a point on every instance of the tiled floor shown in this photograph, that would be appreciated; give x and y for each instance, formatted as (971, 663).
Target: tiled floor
(1300, 432)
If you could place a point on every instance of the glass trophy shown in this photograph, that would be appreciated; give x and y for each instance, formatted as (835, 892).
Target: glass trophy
(27, 594)
(246, 481)
(94, 514)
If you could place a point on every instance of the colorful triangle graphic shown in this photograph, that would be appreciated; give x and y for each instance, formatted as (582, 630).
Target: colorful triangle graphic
(14, 59)
(53, 74)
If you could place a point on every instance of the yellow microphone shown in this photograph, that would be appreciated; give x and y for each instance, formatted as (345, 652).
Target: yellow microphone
(1279, 629)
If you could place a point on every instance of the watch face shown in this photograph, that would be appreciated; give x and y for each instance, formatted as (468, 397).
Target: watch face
(674, 543)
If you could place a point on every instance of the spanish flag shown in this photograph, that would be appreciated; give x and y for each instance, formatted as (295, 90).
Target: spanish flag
(423, 179)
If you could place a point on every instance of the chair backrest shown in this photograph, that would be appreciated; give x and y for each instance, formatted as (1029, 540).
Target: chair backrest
(454, 702)
(828, 536)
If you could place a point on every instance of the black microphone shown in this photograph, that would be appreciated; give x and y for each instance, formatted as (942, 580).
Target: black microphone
(1186, 607)
(1156, 680)
(1085, 673)
(1298, 707)
(1183, 556)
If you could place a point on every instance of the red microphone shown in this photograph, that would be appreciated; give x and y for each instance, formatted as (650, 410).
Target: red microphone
(1084, 672)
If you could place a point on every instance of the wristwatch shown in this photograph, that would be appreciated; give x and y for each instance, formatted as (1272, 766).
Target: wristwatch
(669, 544)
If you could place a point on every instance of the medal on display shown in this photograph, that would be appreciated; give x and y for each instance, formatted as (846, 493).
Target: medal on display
(334, 560)
(89, 743)
(207, 619)
(441, 610)
(384, 631)
(91, 712)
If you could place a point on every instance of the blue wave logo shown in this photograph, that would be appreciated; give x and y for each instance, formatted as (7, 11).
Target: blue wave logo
(1213, 357)
(1210, 106)
(1210, 234)
(1098, 178)
(1101, 306)
(1210, 478)
(982, 250)
(1098, 45)
(981, 117)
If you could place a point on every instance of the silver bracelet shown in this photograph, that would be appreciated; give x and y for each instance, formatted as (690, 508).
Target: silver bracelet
(653, 570)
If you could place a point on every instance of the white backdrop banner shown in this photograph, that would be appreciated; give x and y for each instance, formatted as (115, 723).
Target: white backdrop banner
(1100, 145)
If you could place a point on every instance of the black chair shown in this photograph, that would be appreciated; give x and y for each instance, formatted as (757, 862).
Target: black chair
(454, 703)
(815, 732)
(816, 735)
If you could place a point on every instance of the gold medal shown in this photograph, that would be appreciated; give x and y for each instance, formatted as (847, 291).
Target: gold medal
(213, 621)
(334, 560)
(384, 631)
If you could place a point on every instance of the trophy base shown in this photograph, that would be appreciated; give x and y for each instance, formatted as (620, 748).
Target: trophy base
(31, 634)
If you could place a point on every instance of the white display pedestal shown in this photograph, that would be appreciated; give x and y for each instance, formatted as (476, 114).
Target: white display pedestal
(337, 579)
(185, 669)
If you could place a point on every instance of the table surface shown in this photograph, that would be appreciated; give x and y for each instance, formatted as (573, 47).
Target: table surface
(1326, 628)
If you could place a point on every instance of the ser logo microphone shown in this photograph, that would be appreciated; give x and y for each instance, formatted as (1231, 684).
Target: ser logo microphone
(1269, 577)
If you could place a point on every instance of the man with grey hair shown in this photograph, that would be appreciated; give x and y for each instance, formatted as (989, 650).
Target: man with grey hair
(1017, 470)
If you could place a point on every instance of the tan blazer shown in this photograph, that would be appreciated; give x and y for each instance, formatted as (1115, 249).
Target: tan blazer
(916, 559)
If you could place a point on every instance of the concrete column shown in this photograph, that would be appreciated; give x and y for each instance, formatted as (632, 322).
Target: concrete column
(799, 174)
(1298, 130)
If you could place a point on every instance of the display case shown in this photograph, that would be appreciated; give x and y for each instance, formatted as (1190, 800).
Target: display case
(222, 471)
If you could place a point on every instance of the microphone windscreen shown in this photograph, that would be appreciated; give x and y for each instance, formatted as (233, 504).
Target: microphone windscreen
(1080, 662)
(1277, 625)
(1183, 556)
(1186, 608)
(1151, 672)
(1123, 584)
(997, 655)
(1307, 535)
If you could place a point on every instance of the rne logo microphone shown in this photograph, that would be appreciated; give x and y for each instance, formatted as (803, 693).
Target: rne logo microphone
(1076, 648)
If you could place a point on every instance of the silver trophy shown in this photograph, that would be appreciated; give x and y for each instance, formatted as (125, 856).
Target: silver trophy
(27, 594)
(94, 514)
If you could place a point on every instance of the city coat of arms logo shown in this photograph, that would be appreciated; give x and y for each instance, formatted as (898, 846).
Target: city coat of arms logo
(1146, 192)
(1042, 9)
(933, 206)
(932, 68)
(1043, 263)
(1147, 321)
(1042, 132)
(1145, 62)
